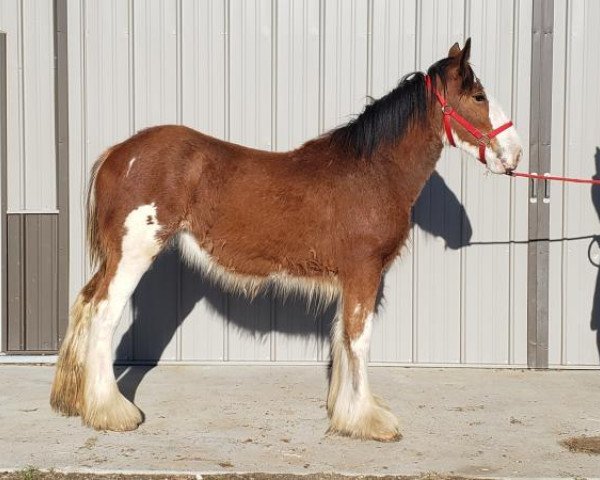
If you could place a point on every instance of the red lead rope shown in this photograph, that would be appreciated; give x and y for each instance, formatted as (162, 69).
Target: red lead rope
(484, 139)
(554, 177)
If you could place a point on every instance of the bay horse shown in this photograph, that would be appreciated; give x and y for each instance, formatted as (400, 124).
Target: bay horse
(326, 219)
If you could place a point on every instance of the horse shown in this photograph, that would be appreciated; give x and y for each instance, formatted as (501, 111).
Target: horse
(326, 220)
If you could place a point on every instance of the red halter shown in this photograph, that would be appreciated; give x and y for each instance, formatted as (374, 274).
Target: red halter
(483, 139)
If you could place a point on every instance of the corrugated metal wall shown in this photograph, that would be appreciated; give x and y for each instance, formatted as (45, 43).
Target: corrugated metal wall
(3, 162)
(575, 209)
(32, 266)
(272, 74)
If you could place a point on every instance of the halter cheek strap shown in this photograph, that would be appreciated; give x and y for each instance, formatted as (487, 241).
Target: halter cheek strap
(483, 139)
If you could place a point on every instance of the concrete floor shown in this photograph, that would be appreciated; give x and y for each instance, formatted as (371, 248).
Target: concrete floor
(488, 423)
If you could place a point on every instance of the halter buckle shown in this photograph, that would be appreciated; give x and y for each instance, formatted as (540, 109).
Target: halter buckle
(446, 109)
(484, 140)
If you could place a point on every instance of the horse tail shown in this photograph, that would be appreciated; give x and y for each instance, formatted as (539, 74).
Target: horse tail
(95, 247)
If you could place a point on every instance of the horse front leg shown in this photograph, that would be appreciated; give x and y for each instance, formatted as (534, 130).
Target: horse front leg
(352, 408)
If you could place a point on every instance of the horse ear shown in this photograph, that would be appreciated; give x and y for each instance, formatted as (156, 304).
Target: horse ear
(454, 50)
(465, 54)
(464, 70)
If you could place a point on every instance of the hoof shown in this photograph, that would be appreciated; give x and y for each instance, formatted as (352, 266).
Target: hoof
(376, 423)
(116, 414)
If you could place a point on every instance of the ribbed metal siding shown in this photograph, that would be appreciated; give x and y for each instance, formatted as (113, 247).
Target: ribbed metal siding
(272, 74)
(3, 160)
(32, 257)
(575, 209)
(31, 169)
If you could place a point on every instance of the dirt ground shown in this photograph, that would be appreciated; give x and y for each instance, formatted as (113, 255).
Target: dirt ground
(33, 474)
(225, 420)
(583, 444)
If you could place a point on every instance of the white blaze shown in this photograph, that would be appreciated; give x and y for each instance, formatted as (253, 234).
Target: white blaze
(508, 140)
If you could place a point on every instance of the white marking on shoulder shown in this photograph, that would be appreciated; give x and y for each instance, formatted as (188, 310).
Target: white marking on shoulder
(131, 162)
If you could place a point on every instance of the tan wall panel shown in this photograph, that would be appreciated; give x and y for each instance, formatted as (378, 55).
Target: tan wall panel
(32, 282)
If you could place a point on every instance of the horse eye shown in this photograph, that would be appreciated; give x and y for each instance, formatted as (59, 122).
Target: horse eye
(479, 97)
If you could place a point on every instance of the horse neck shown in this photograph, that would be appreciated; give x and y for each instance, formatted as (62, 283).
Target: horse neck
(414, 157)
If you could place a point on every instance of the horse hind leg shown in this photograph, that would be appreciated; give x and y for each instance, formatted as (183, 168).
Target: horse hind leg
(352, 408)
(84, 383)
(103, 406)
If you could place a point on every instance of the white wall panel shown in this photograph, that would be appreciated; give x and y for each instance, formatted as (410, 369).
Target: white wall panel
(203, 65)
(575, 291)
(250, 64)
(488, 278)
(297, 70)
(10, 22)
(345, 66)
(31, 169)
(38, 105)
(437, 325)
(78, 171)
(155, 58)
(519, 111)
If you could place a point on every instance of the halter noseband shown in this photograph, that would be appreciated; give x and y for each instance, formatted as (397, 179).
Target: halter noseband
(483, 139)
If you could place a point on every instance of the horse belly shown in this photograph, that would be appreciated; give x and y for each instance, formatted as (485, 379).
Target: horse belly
(242, 273)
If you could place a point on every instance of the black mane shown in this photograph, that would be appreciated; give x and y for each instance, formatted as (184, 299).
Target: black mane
(387, 119)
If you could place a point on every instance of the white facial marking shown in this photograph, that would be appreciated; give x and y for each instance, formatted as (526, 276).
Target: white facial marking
(131, 162)
(508, 140)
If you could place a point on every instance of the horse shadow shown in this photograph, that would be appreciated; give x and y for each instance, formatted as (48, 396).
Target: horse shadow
(595, 314)
(170, 290)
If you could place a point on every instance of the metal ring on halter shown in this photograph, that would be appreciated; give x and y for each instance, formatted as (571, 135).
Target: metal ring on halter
(484, 140)
(446, 109)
